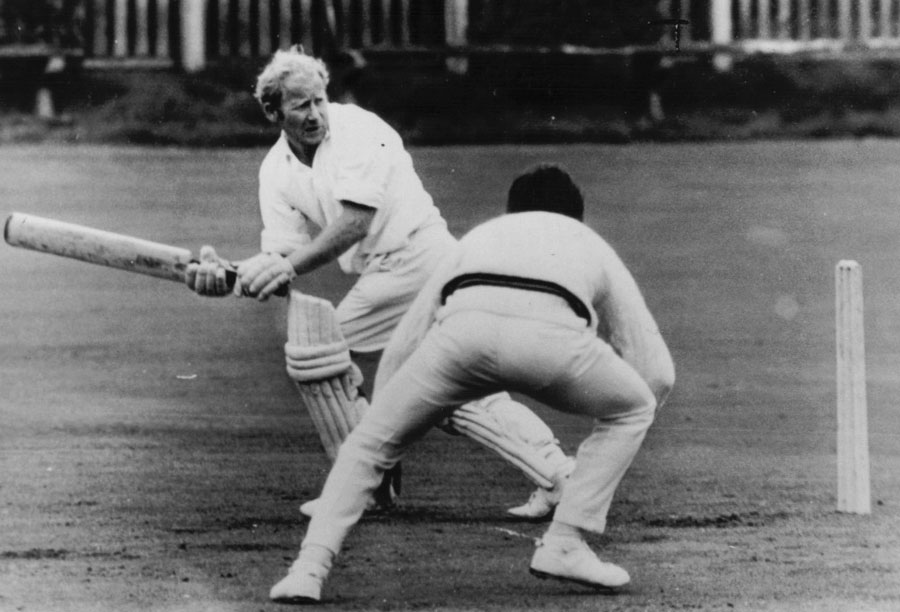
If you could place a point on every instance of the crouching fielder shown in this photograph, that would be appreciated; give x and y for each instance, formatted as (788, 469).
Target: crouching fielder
(318, 360)
(533, 302)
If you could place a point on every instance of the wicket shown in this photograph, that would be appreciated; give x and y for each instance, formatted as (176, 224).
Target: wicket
(853, 493)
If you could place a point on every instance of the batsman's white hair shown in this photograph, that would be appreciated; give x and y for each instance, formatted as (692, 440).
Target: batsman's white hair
(285, 63)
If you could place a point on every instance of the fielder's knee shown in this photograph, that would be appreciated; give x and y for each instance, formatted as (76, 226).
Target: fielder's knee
(641, 414)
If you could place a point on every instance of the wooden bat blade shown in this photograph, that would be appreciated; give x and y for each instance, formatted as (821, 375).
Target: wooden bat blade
(96, 246)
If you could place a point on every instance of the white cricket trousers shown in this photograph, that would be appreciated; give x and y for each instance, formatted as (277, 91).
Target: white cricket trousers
(373, 307)
(527, 342)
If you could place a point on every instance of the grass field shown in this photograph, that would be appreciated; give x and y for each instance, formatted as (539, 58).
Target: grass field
(154, 452)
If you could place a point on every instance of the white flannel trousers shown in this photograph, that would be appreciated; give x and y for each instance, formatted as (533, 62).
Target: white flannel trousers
(474, 350)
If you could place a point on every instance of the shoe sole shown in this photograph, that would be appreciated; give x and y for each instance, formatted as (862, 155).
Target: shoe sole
(376, 511)
(297, 601)
(526, 518)
(593, 585)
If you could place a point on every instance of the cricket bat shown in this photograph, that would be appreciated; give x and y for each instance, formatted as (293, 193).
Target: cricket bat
(100, 247)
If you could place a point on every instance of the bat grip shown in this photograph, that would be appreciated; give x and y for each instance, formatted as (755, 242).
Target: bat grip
(231, 279)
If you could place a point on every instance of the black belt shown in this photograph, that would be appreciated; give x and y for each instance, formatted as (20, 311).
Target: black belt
(516, 282)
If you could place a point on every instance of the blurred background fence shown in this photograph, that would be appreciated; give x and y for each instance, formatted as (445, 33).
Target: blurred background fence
(192, 33)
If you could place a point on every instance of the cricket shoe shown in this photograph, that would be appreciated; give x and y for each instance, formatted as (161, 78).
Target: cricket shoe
(543, 501)
(308, 509)
(383, 500)
(302, 585)
(572, 560)
(540, 505)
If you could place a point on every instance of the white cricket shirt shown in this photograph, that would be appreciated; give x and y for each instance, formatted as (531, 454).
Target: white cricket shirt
(363, 160)
(544, 246)
(547, 247)
(564, 251)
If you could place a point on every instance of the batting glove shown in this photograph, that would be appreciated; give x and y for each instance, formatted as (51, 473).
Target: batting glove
(263, 274)
(208, 276)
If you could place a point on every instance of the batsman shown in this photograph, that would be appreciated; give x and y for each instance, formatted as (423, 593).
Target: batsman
(338, 184)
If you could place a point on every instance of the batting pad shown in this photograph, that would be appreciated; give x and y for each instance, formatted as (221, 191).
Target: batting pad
(515, 433)
(318, 360)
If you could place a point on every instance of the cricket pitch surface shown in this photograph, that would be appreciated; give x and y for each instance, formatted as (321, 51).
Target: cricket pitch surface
(154, 452)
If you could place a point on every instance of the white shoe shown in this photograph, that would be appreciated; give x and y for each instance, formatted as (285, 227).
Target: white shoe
(543, 501)
(302, 585)
(307, 509)
(539, 506)
(572, 559)
(384, 499)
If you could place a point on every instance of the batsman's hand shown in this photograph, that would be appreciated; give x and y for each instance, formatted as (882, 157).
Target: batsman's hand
(208, 276)
(263, 275)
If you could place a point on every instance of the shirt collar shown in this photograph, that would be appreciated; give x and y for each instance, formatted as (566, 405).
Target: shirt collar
(289, 154)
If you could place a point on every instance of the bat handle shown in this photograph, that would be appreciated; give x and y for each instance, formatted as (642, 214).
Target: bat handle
(230, 276)
(231, 279)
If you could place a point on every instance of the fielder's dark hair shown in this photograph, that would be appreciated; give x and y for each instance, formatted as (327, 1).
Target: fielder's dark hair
(548, 188)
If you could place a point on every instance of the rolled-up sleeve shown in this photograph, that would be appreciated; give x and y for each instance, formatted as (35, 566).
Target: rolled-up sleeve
(362, 176)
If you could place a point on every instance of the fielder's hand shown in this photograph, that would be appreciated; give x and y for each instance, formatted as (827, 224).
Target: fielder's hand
(263, 274)
(208, 276)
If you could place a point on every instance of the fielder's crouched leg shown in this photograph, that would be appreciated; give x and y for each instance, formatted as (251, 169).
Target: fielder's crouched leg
(358, 469)
(318, 360)
(517, 434)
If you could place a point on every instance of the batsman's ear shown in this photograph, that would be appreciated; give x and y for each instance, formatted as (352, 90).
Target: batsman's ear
(273, 113)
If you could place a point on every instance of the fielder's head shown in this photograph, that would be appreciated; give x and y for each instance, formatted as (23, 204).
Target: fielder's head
(548, 188)
(292, 92)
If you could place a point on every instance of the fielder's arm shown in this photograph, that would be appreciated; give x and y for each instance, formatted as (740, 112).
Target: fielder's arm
(634, 333)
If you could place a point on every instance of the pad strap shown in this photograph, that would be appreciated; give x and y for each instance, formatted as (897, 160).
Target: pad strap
(312, 363)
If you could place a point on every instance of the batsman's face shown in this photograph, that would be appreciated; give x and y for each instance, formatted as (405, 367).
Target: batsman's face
(304, 107)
